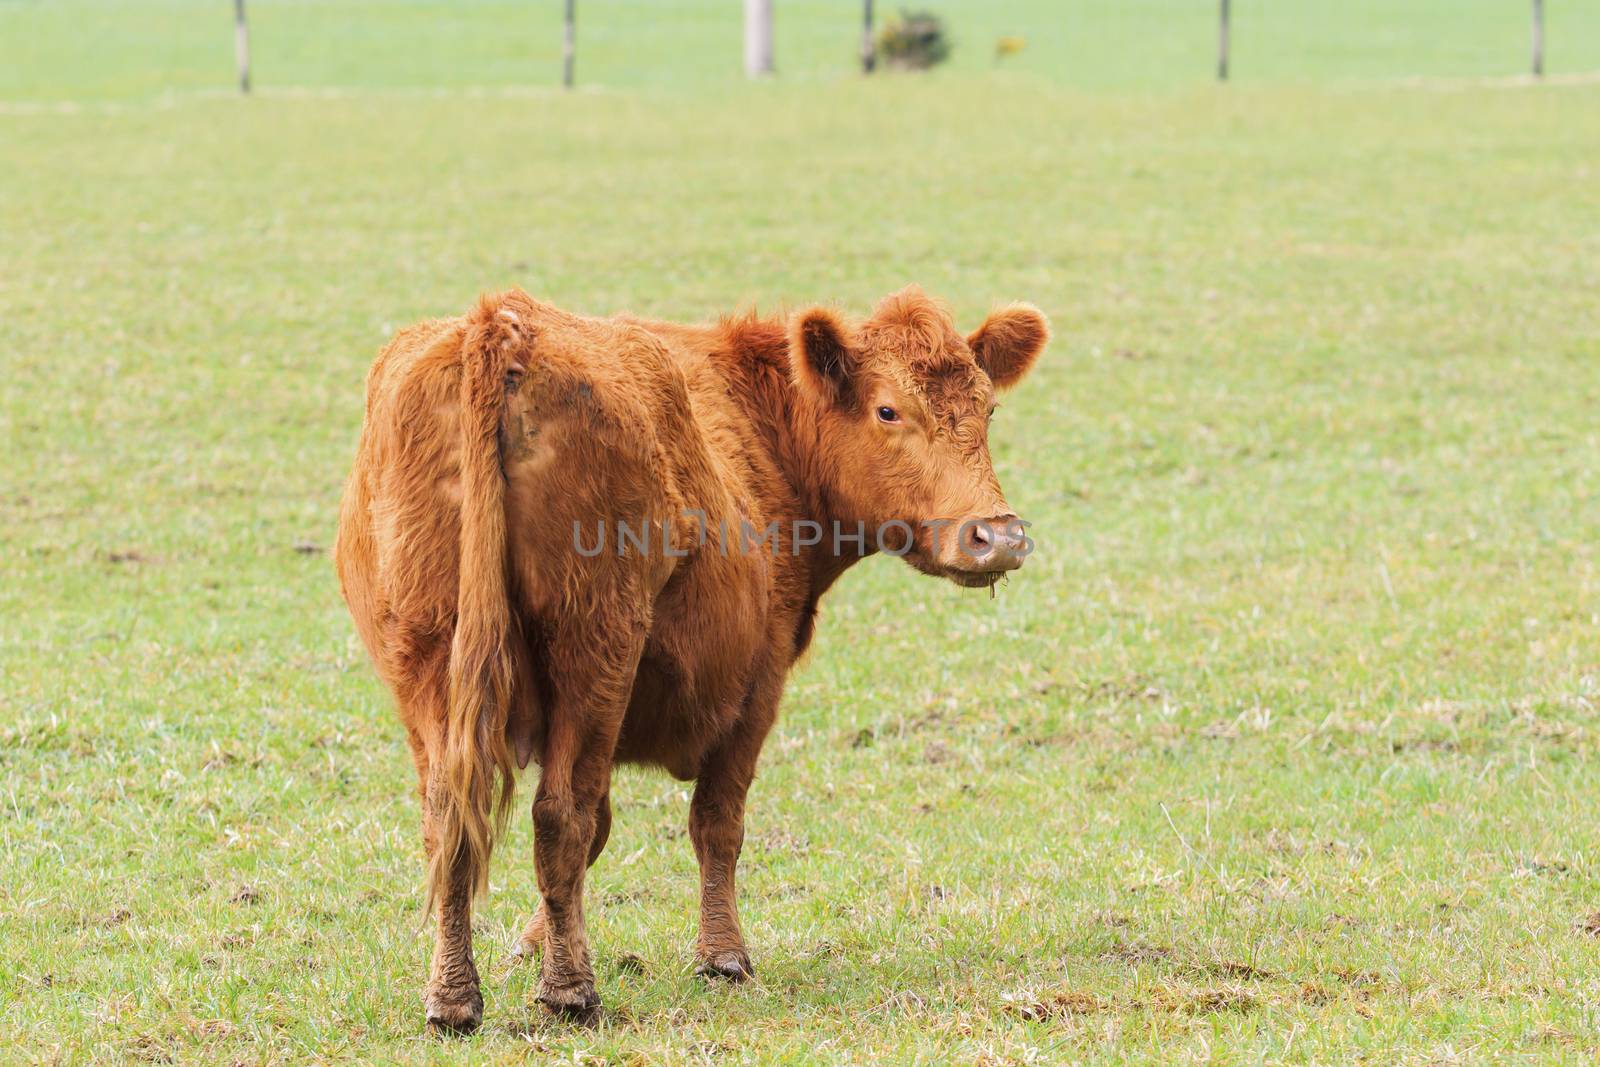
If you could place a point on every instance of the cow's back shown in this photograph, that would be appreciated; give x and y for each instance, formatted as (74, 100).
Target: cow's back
(598, 431)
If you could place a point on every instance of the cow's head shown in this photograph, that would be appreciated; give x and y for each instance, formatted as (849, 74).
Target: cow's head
(903, 405)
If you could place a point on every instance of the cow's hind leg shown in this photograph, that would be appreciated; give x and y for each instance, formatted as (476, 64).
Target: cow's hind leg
(592, 665)
(531, 943)
(453, 1000)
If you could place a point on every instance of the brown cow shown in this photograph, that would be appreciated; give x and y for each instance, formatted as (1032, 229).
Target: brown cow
(737, 470)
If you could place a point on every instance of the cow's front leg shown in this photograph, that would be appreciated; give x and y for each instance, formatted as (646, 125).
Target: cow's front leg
(565, 818)
(716, 827)
(596, 676)
(531, 943)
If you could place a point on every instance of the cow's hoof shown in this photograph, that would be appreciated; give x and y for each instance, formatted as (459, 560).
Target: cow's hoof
(733, 965)
(531, 943)
(577, 1001)
(454, 1011)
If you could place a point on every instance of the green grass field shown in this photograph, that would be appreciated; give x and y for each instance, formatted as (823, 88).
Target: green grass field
(1282, 747)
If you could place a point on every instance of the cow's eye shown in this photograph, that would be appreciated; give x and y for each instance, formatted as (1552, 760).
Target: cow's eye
(887, 414)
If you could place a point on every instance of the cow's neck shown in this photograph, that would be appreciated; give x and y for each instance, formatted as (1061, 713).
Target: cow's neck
(788, 428)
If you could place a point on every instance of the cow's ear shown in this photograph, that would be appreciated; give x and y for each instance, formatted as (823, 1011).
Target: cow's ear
(1009, 341)
(824, 355)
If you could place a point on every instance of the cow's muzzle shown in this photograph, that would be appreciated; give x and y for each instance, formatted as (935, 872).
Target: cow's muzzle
(988, 547)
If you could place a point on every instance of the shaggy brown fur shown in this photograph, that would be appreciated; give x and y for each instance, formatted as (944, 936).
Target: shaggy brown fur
(495, 445)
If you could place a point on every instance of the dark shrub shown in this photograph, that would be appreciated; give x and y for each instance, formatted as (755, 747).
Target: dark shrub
(914, 41)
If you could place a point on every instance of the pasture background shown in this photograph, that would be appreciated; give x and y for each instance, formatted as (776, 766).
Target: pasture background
(1280, 748)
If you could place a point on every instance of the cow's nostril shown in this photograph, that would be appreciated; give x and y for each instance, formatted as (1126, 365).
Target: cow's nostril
(976, 538)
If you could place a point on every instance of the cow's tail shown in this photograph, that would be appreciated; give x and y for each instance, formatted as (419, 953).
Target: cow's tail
(477, 774)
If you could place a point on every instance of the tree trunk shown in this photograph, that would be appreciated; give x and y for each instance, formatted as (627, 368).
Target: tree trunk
(757, 38)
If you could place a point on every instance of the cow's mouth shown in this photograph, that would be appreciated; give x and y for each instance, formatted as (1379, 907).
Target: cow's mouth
(965, 577)
(974, 579)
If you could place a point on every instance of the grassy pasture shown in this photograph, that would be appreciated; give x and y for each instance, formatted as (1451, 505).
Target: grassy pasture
(1282, 748)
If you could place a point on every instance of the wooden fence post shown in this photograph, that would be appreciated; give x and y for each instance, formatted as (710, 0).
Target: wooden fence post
(241, 45)
(869, 48)
(1538, 38)
(1222, 43)
(569, 43)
